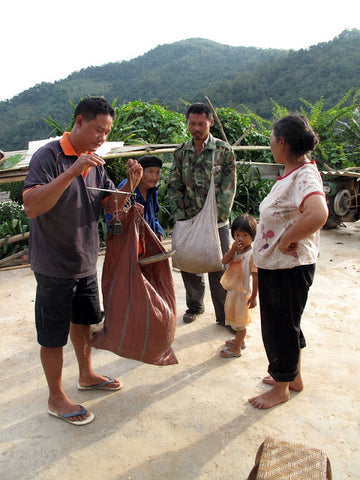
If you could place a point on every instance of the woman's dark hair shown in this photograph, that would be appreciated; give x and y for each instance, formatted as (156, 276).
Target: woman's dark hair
(245, 223)
(90, 107)
(199, 108)
(296, 131)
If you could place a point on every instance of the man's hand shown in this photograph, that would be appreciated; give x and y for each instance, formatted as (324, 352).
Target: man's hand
(134, 173)
(84, 162)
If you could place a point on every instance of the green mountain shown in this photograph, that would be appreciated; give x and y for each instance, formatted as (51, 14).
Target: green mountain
(166, 74)
(325, 70)
(188, 70)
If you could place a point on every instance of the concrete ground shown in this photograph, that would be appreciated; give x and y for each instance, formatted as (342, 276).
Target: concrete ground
(192, 420)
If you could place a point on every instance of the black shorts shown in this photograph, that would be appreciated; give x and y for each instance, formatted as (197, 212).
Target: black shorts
(60, 301)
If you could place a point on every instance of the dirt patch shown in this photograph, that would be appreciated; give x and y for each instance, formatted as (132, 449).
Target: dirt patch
(192, 420)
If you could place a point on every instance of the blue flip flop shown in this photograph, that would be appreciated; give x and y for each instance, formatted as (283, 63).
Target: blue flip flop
(67, 416)
(102, 386)
(226, 353)
(230, 342)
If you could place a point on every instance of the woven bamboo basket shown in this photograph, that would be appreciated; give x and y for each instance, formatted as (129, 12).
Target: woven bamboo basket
(279, 460)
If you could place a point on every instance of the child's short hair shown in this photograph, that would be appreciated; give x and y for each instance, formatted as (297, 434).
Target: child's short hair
(244, 223)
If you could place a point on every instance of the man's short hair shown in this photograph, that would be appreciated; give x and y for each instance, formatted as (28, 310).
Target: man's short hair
(90, 107)
(199, 108)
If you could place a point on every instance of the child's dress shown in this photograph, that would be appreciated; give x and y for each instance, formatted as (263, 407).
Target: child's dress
(237, 313)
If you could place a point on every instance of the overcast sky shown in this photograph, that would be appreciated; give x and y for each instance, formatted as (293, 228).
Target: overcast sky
(43, 41)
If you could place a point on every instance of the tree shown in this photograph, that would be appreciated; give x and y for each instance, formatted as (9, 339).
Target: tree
(335, 149)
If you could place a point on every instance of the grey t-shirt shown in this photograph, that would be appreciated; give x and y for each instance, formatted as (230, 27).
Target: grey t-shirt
(64, 241)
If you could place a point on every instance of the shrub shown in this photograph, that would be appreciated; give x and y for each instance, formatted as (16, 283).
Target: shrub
(254, 130)
(250, 191)
(154, 123)
(13, 221)
(337, 129)
(15, 191)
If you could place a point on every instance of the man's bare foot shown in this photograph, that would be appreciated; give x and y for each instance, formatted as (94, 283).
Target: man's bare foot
(296, 385)
(64, 407)
(99, 382)
(271, 398)
(84, 418)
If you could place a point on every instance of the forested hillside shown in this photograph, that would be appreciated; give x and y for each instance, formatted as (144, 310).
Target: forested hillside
(326, 70)
(187, 71)
(165, 75)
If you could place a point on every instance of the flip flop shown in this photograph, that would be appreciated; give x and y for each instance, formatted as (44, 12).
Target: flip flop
(102, 386)
(231, 342)
(228, 354)
(67, 416)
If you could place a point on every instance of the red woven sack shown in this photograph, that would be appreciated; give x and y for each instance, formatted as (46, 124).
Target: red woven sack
(139, 301)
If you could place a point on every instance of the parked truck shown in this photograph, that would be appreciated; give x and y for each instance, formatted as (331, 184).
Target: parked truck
(342, 189)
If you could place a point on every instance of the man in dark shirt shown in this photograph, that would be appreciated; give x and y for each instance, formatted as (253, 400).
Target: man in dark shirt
(63, 247)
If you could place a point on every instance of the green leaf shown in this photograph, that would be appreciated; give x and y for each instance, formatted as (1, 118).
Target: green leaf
(11, 161)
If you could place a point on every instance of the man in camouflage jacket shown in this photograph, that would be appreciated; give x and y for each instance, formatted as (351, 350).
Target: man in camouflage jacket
(189, 182)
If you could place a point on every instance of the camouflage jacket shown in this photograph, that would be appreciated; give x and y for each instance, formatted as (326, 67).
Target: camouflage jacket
(190, 176)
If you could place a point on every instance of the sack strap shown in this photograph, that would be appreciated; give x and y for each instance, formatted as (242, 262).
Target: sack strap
(213, 162)
(213, 170)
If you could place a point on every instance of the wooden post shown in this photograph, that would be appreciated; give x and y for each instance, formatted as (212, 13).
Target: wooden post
(217, 119)
(10, 258)
(239, 140)
(15, 238)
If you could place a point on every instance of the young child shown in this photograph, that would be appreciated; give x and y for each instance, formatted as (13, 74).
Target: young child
(241, 297)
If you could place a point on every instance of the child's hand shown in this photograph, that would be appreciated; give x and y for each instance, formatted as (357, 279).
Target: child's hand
(237, 246)
(252, 302)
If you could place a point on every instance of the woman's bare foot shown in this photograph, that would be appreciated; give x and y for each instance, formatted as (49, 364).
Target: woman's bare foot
(296, 385)
(278, 394)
